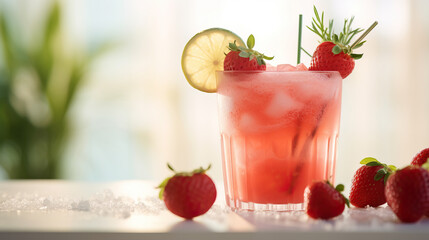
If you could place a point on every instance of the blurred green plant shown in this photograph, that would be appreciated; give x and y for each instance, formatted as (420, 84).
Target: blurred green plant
(38, 83)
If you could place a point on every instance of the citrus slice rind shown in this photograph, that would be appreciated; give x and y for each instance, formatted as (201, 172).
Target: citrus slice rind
(204, 55)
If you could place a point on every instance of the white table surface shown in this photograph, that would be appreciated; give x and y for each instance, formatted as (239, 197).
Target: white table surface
(130, 210)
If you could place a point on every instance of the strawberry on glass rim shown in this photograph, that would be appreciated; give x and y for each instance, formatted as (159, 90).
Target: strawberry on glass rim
(245, 58)
(335, 52)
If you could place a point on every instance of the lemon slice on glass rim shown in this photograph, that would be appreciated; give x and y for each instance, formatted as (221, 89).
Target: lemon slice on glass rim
(204, 55)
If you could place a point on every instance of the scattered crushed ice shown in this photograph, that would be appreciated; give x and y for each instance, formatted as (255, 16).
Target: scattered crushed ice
(352, 219)
(218, 213)
(31, 202)
(104, 203)
(81, 206)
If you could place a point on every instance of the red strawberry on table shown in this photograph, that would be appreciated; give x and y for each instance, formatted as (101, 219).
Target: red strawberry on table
(335, 52)
(407, 193)
(246, 59)
(188, 194)
(368, 183)
(421, 158)
(323, 201)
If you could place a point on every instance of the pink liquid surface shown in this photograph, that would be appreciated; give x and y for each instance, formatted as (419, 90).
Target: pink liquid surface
(279, 133)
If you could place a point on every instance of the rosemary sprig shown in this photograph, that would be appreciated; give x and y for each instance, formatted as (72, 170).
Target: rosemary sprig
(342, 40)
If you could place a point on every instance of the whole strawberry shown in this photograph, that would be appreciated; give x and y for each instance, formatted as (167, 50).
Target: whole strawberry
(335, 52)
(323, 201)
(421, 158)
(407, 193)
(242, 58)
(325, 60)
(188, 194)
(368, 183)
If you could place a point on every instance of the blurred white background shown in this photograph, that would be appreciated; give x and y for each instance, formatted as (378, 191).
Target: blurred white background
(137, 111)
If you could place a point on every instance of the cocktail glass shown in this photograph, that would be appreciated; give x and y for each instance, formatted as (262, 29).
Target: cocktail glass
(279, 133)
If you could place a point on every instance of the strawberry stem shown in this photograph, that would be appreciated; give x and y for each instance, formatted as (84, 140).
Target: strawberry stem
(364, 35)
(298, 61)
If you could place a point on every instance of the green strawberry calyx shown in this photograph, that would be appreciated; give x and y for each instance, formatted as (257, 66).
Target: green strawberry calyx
(161, 186)
(248, 52)
(384, 172)
(340, 188)
(342, 40)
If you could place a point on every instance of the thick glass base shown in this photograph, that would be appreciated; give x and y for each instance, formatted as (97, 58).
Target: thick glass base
(237, 205)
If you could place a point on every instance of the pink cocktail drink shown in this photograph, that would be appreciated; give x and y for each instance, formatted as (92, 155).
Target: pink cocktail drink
(279, 133)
